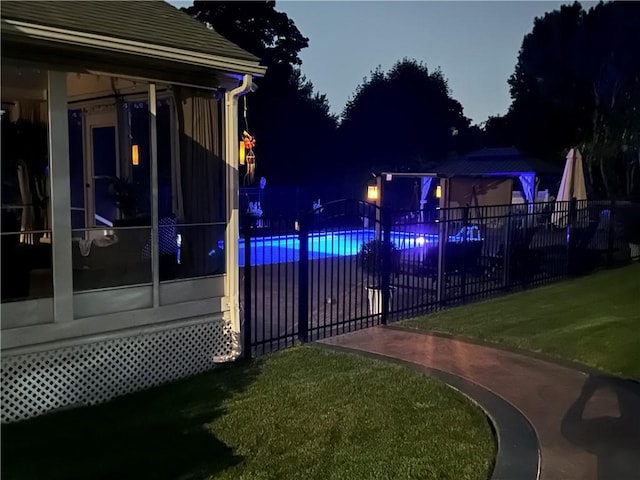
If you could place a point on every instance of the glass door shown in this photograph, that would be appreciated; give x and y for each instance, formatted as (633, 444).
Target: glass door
(102, 170)
(77, 171)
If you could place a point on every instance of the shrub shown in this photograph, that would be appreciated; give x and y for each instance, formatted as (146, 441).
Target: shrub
(370, 257)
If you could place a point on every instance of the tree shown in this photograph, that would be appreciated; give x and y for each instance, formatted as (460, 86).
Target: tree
(612, 33)
(294, 128)
(497, 132)
(576, 83)
(290, 121)
(257, 27)
(401, 120)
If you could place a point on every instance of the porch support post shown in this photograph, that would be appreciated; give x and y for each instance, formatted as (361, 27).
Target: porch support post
(153, 150)
(60, 197)
(232, 233)
(232, 285)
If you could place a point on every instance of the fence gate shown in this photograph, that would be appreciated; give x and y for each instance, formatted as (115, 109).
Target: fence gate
(305, 281)
(340, 291)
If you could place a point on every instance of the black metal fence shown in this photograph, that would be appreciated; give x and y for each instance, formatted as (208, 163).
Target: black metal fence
(351, 265)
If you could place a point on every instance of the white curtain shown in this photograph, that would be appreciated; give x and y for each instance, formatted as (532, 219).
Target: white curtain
(43, 191)
(34, 111)
(528, 182)
(426, 185)
(424, 192)
(28, 212)
(176, 174)
(202, 176)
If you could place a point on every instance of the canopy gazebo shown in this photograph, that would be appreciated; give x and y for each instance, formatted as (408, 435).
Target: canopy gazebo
(481, 178)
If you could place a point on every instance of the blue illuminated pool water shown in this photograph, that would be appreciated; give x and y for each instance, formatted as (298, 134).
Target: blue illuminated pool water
(280, 249)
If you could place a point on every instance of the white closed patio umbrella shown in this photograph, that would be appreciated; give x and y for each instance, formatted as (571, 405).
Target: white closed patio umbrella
(572, 186)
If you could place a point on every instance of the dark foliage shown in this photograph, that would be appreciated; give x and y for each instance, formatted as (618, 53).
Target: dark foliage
(577, 83)
(404, 119)
(371, 255)
(292, 124)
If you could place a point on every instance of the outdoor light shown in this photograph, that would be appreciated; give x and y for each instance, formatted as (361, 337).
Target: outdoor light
(135, 158)
(372, 192)
(420, 241)
(438, 191)
(242, 153)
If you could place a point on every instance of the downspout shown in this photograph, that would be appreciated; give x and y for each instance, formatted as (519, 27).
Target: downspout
(232, 284)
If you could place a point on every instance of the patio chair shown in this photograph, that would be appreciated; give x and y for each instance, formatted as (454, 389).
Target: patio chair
(543, 215)
(584, 257)
(459, 257)
(522, 260)
(121, 263)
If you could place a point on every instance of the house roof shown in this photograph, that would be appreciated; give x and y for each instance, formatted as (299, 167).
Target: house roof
(147, 23)
(497, 161)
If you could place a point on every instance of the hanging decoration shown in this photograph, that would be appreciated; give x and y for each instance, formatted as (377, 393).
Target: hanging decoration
(247, 156)
(249, 143)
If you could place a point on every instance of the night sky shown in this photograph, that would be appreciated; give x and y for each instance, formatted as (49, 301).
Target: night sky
(475, 43)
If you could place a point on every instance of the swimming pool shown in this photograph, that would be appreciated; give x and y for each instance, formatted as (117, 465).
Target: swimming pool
(286, 248)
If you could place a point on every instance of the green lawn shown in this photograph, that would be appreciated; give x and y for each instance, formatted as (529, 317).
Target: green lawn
(302, 413)
(594, 320)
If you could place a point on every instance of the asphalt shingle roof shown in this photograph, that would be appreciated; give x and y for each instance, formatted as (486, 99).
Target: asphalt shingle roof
(153, 22)
(496, 161)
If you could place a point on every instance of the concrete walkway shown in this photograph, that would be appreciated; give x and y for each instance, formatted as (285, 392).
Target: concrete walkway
(588, 426)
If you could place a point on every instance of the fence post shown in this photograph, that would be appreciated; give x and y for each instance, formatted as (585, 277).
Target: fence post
(573, 211)
(386, 264)
(465, 257)
(442, 241)
(246, 230)
(303, 281)
(506, 250)
(611, 232)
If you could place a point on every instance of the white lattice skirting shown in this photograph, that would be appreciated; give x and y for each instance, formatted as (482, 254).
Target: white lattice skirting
(91, 373)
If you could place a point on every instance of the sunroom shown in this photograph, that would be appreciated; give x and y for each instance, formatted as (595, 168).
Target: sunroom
(119, 199)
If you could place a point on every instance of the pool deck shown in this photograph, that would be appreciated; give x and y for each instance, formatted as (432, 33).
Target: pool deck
(587, 424)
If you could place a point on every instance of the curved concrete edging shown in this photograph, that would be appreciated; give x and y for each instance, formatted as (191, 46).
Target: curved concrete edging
(518, 448)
